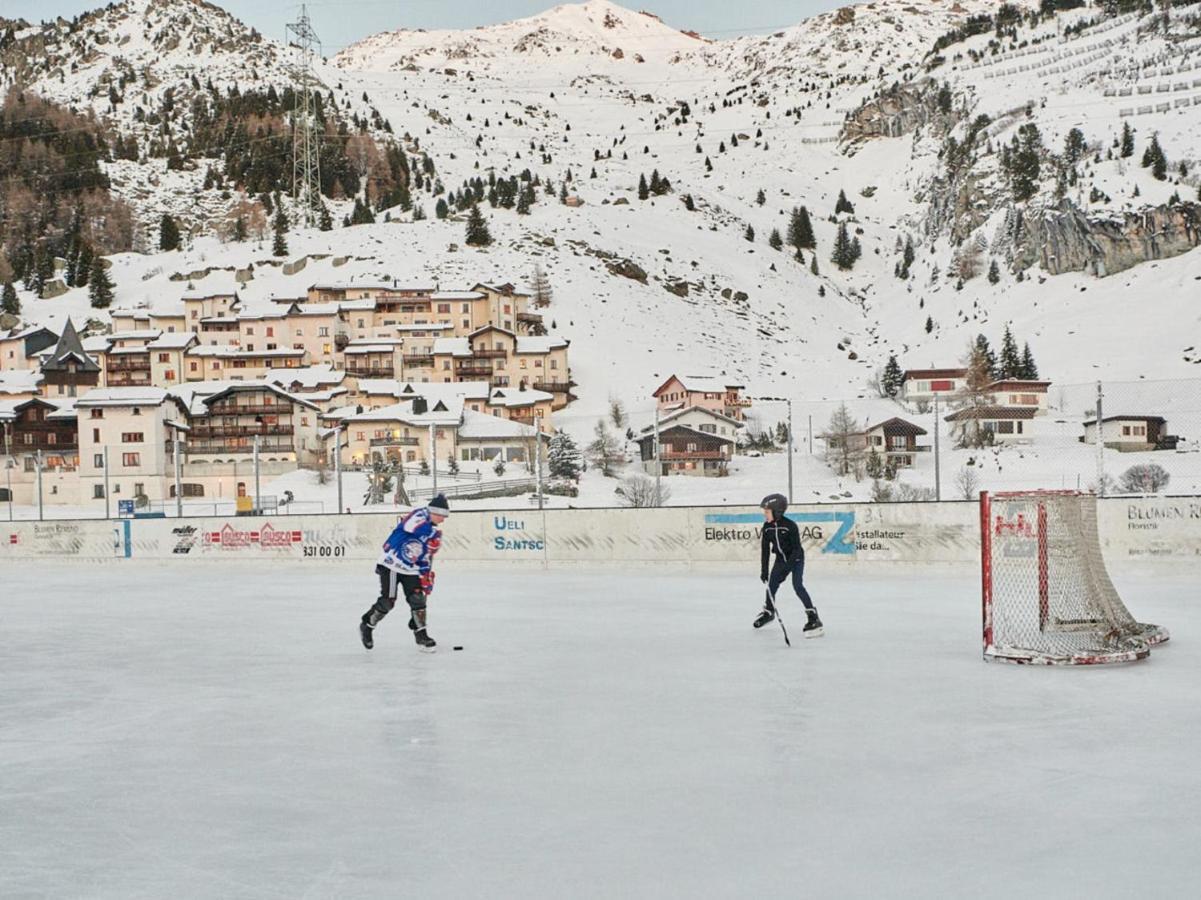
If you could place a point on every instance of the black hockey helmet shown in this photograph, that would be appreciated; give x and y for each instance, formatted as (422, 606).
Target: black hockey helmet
(777, 503)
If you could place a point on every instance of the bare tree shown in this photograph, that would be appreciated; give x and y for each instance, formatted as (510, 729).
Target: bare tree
(638, 490)
(540, 286)
(968, 483)
(845, 443)
(605, 450)
(972, 400)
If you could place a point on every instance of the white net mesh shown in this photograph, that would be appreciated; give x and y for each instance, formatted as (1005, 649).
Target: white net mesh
(1047, 595)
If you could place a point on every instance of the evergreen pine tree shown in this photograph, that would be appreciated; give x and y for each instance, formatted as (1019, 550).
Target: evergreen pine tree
(643, 190)
(844, 253)
(774, 240)
(929, 324)
(813, 264)
(1029, 369)
(1025, 162)
(1011, 360)
(240, 229)
(994, 273)
(477, 228)
(83, 268)
(9, 302)
(324, 222)
(892, 378)
(279, 246)
(982, 348)
(441, 210)
(43, 267)
(907, 258)
(1154, 157)
(563, 457)
(800, 229)
(1127, 141)
(749, 234)
(843, 205)
(168, 233)
(761, 197)
(540, 288)
(100, 286)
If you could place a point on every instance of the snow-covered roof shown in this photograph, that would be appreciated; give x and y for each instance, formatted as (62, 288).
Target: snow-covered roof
(513, 397)
(248, 387)
(66, 408)
(173, 340)
(316, 309)
(274, 315)
(456, 295)
(24, 332)
(20, 381)
(688, 429)
(543, 344)
(242, 353)
(308, 377)
(219, 320)
(708, 384)
(146, 334)
(664, 421)
(368, 348)
(126, 351)
(97, 343)
(123, 396)
(480, 426)
(432, 326)
(457, 346)
(363, 342)
(365, 304)
(443, 411)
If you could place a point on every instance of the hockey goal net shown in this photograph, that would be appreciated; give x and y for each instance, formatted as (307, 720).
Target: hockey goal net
(1047, 596)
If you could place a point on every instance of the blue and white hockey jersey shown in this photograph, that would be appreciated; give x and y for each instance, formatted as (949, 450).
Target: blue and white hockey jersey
(411, 546)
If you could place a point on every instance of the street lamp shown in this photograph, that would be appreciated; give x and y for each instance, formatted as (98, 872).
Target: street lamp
(788, 402)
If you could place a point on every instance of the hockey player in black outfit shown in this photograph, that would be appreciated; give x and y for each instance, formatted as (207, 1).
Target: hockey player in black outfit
(782, 538)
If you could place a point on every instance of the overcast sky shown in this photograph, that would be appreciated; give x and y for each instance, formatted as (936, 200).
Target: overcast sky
(342, 23)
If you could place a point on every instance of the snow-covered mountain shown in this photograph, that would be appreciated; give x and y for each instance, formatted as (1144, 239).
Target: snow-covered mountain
(908, 107)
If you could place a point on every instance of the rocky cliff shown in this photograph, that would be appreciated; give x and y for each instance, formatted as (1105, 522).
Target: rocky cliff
(1064, 239)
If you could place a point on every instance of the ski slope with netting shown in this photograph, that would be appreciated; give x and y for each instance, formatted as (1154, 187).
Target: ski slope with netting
(198, 731)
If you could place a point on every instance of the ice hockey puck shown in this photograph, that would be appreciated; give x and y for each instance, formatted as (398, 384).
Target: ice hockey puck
(458, 648)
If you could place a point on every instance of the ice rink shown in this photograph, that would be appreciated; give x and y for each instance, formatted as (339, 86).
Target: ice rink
(199, 730)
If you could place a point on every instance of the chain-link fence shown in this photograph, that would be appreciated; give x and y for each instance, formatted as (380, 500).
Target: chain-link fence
(936, 440)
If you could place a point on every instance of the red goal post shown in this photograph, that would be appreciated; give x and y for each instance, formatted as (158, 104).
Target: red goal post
(1047, 596)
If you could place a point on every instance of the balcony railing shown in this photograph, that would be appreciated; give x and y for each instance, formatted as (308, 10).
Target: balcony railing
(418, 359)
(489, 354)
(222, 431)
(249, 409)
(244, 447)
(669, 454)
(129, 379)
(394, 442)
(473, 369)
(532, 318)
(129, 365)
(371, 371)
(552, 387)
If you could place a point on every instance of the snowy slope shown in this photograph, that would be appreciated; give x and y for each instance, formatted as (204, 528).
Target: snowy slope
(495, 100)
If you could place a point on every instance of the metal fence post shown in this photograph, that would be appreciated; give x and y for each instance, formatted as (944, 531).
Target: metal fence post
(107, 506)
(38, 462)
(434, 457)
(1100, 442)
(937, 455)
(179, 479)
(538, 458)
(655, 457)
(338, 464)
(258, 500)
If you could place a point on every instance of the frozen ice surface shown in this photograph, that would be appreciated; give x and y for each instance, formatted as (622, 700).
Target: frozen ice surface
(190, 730)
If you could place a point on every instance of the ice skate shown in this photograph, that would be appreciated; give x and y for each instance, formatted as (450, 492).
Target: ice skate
(764, 617)
(813, 628)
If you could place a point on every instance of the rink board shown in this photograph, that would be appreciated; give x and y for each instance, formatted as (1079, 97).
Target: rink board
(1166, 529)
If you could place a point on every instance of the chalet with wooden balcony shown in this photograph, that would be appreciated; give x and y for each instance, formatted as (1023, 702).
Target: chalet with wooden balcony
(895, 440)
(720, 395)
(239, 363)
(69, 371)
(232, 420)
(35, 433)
(685, 450)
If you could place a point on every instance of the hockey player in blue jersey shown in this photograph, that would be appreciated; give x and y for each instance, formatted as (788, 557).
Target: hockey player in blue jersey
(407, 563)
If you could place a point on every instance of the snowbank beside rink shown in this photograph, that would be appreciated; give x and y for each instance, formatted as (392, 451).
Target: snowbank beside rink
(1152, 529)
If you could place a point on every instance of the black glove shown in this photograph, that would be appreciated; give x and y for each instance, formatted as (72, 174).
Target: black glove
(763, 577)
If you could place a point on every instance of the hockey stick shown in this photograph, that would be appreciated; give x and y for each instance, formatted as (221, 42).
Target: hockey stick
(771, 604)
